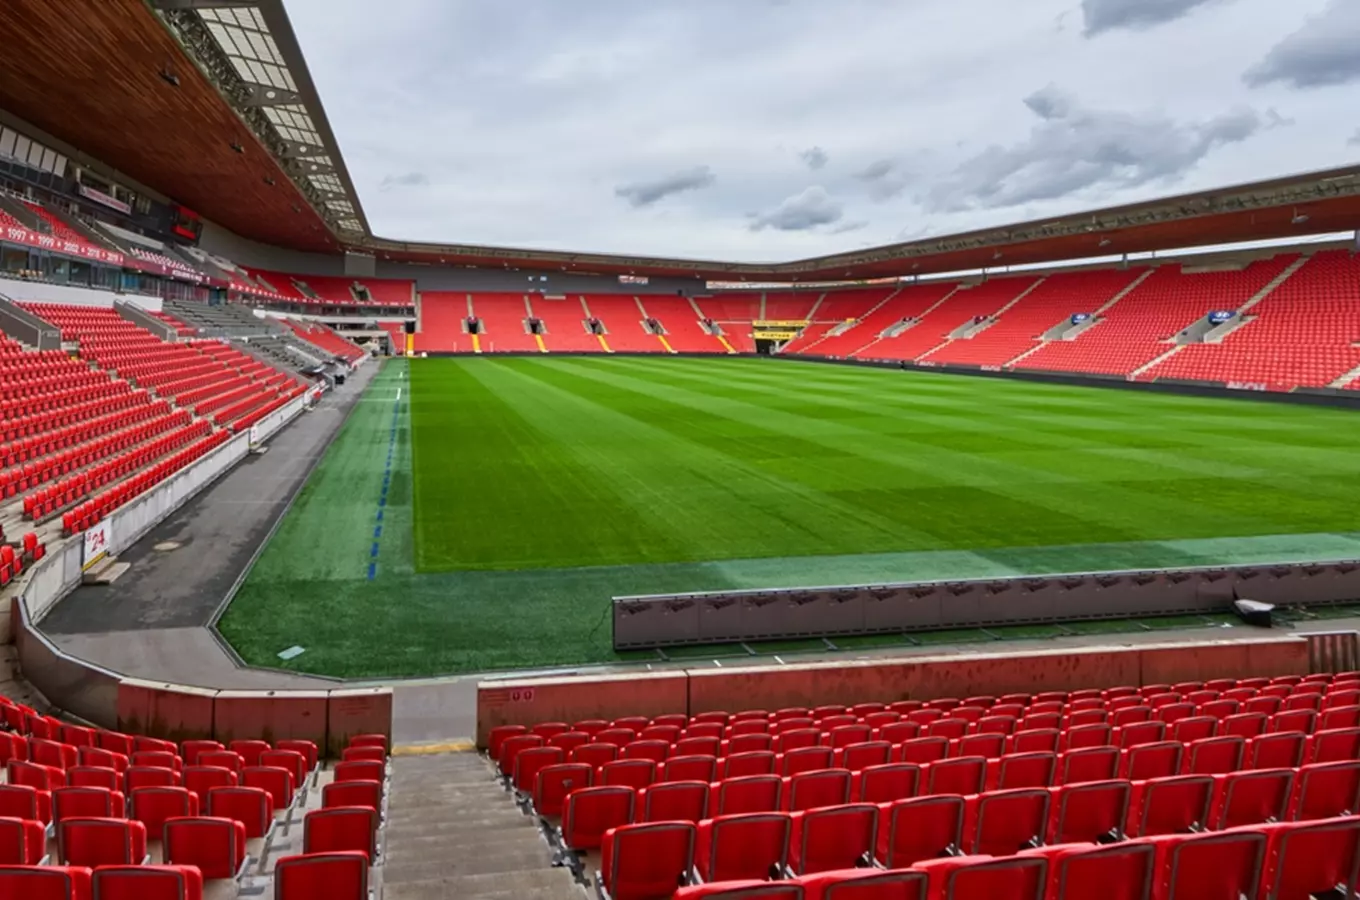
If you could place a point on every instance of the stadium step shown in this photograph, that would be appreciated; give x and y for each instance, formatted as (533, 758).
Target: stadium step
(453, 831)
(1128, 289)
(1346, 379)
(1278, 280)
(1138, 372)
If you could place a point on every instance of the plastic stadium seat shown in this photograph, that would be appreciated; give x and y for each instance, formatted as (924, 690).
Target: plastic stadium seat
(646, 861)
(865, 884)
(217, 847)
(375, 740)
(633, 773)
(748, 794)
(809, 790)
(52, 753)
(1160, 760)
(592, 811)
(335, 876)
(190, 750)
(1121, 872)
(252, 807)
(148, 883)
(341, 829)
(1215, 756)
(742, 890)
(157, 759)
(551, 787)
(918, 829)
(45, 882)
(837, 837)
(746, 846)
(1173, 805)
(201, 779)
(87, 803)
(249, 751)
(23, 842)
(676, 801)
(1092, 811)
(44, 778)
(362, 770)
(1253, 797)
(352, 793)
(968, 877)
(24, 802)
(1334, 745)
(95, 776)
(1088, 764)
(1023, 770)
(690, 768)
(148, 777)
(101, 842)
(306, 748)
(1001, 823)
(1209, 865)
(963, 775)
(806, 759)
(1311, 858)
(529, 763)
(885, 783)
(1283, 750)
(923, 750)
(291, 760)
(1326, 790)
(153, 806)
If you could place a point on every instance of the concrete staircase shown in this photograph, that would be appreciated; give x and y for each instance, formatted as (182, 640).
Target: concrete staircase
(454, 832)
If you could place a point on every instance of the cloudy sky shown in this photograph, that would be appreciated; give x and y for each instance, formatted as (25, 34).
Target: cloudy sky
(779, 129)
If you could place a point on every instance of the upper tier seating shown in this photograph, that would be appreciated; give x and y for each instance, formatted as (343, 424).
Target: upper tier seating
(443, 315)
(564, 324)
(138, 818)
(60, 229)
(333, 291)
(964, 305)
(623, 323)
(503, 318)
(1139, 328)
(321, 336)
(1304, 333)
(1053, 302)
(167, 261)
(1227, 787)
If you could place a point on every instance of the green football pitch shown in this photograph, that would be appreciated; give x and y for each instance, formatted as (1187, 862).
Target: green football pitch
(478, 514)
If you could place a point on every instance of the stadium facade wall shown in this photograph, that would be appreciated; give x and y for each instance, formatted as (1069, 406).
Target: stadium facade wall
(691, 691)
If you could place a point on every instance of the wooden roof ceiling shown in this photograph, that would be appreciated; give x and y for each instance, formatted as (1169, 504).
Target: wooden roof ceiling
(89, 73)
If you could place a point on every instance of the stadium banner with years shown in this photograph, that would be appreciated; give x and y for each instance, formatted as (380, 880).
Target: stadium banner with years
(97, 540)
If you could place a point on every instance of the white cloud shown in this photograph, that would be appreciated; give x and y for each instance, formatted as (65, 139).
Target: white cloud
(814, 158)
(1324, 52)
(1073, 149)
(528, 147)
(1109, 15)
(645, 193)
(805, 210)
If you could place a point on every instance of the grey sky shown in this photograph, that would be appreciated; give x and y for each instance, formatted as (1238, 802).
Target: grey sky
(776, 130)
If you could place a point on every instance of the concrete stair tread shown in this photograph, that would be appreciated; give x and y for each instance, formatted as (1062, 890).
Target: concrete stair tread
(548, 884)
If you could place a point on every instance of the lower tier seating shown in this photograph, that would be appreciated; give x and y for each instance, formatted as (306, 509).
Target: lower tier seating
(1113, 791)
(87, 813)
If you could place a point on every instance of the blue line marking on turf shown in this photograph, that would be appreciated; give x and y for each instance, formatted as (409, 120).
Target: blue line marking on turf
(386, 483)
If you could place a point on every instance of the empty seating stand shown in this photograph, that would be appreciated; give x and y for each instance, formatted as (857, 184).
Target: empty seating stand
(180, 836)
(1123, 790)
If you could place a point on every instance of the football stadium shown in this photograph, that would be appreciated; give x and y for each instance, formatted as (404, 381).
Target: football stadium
(1011, 554)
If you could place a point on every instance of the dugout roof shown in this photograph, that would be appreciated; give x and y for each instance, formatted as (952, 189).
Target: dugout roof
(210, 103)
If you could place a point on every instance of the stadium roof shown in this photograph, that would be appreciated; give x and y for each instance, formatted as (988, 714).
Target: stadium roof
(210, 102)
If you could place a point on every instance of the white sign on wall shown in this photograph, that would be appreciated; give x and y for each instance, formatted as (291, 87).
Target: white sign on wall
(97, 541)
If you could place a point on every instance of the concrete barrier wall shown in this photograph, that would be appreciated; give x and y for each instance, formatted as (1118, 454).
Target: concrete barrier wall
(129, 522)
(524, 702)
(53, 577)
(281, 416)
